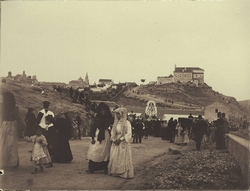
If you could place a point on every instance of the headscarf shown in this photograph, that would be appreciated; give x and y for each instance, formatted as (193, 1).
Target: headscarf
(9, 104)
(123, 113)
(102, 122)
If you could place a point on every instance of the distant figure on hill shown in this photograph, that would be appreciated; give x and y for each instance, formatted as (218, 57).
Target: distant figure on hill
(71, 91)
(42, 114)
(79, 122)
(190, 116)
(31, 125)
(138, 128)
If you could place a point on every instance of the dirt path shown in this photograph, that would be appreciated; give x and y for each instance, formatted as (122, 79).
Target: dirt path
(73, 176)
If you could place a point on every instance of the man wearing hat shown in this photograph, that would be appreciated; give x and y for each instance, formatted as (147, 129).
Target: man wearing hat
(42, 114)
(200, 129)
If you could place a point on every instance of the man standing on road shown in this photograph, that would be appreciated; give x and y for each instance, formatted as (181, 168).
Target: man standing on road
(200, 129)
(138, 131)
(218, 132)
(224, 130)
(171, 129)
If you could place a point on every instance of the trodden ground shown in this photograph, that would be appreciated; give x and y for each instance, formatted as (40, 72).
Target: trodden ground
(73, 176)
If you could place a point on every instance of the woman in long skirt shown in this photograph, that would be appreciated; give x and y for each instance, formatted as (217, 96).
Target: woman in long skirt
(178, 136)
(99, 149)
(121, 163)
(11, 127)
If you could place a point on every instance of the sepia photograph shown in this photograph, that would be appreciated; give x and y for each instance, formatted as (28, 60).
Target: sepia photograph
(124, 95)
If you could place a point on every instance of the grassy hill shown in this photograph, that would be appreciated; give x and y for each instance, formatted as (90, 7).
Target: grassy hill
(27, 96)
(187, 98)
(245, 103)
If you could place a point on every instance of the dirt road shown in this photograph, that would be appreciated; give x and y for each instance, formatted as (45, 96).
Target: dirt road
(73, 176)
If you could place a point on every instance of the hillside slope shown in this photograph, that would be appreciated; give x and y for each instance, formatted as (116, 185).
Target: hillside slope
(178, 98)
(30, 97)
(245, 103)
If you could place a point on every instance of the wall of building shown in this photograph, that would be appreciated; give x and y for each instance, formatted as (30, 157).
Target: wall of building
(164, 80)
(182, 76)
(210, 113)
(239, 148)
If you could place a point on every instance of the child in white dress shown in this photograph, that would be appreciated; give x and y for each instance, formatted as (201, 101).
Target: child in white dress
(38, 156)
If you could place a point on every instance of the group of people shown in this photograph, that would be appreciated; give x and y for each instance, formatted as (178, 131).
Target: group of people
(50, 136)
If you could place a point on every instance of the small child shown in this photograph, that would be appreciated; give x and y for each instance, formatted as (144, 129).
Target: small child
(185, 136)
(38, 156)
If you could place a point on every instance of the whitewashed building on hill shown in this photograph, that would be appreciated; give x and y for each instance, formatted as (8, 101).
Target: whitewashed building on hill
(210, 111)
(189, 74)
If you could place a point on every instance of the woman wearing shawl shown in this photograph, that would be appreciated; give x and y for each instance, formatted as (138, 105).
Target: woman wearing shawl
(120, 163)
(98, 153)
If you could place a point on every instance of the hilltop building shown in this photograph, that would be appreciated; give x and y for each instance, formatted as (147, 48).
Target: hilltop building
(189, 74)
(80, 83)
(22, 78)
(106, 81)
(165, 79)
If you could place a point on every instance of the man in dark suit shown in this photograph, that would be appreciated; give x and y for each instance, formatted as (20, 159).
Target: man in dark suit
(200, 129)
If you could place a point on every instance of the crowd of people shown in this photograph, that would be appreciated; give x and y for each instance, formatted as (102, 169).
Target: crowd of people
(181, 131)
(111, 131)
(109, 149)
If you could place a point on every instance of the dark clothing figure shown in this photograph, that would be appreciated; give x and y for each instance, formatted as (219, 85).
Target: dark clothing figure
(31, 125)
(219, 138)
(146, 130)
(138, 132)
(62, 152)
(51, 136)
(71, 91)
(157, 128)
(79, 122)
(199, 130)
(164, 128)
(102, 121)
(171, 130)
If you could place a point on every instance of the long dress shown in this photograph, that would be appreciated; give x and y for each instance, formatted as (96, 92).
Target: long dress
(178, 137)
(38, 155)
(121, 163)
(31, 125)
(10, 128)
(98, 153)
(62, 151)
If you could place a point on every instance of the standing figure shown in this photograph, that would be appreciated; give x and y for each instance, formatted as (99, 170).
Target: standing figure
(171, 129)
(225, 130)
(62, 151)
(31, 125)
(11, 127)
(99, 149)
(164, 127)
(178, 136)
(42, 114)
(219, 131)
(38, 156)
(79, 122)
(185, 136)
(200, 129)
(120, 163)
(138, 128)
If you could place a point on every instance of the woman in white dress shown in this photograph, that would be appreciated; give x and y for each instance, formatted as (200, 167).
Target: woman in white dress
(178, 136)
(120, 163)
(99, 149)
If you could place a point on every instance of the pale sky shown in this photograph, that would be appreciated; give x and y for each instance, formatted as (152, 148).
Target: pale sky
(128, 40)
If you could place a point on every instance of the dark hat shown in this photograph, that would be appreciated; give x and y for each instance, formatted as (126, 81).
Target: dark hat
(46, 103)
(199, 116)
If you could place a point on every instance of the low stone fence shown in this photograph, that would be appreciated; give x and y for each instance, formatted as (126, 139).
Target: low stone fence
(239, 148)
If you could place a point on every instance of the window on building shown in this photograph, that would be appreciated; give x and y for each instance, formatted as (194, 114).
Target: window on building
(216, 110)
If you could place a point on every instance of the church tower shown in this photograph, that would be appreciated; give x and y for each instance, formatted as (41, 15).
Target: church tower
(87, 79)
